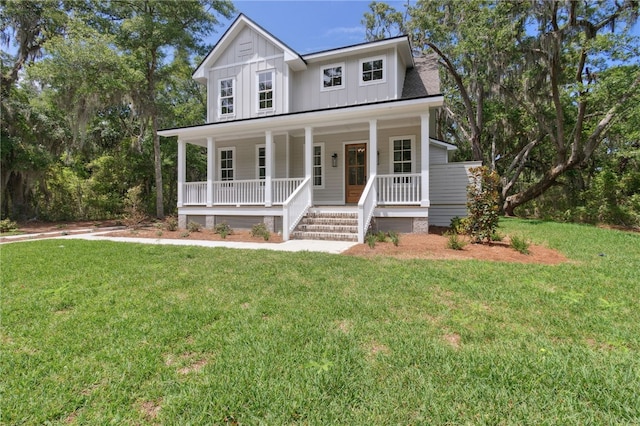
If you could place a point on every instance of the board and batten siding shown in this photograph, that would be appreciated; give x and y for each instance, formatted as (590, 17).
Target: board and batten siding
(249, 54)
(448, 191)
(307, 93)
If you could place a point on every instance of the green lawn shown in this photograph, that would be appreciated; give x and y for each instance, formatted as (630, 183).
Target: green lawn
(116, 333)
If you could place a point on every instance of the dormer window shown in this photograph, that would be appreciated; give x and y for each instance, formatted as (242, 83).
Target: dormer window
(226, 97)
(332, 77)
(372, 71)
(265, 91)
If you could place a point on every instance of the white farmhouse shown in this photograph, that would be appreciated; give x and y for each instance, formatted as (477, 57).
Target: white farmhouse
(322, 145)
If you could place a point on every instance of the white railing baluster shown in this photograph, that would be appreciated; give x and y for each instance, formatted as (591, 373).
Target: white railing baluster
(399, 189)
(295, 207)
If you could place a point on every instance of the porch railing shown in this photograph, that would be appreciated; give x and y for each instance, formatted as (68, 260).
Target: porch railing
(239, 192)
(366, 205)
(399, 189)
(295, 207)
(195, 193)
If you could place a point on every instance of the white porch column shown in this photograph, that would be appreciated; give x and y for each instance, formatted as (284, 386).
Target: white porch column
(268, 169)
(424, 160)
(287, 150)
(211, 156)
(308, 158)
(182, 157)
(373, 148)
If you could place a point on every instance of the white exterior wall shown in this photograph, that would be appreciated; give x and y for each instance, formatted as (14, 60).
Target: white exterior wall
(249, 54)
(307, 93)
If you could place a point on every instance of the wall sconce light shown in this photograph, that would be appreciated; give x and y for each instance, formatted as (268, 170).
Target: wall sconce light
(334, 160)
(378, 163)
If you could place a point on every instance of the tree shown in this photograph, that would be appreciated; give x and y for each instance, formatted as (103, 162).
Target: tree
(147, 31)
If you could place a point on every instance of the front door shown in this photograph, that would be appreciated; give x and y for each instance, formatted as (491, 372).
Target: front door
(355, 171)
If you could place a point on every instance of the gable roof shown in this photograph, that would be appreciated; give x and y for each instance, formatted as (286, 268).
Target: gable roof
(291, 57)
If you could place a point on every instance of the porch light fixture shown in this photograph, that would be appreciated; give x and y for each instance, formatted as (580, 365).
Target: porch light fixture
(334, 160)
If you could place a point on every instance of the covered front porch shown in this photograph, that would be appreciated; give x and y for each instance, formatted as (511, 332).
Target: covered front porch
(275, 169)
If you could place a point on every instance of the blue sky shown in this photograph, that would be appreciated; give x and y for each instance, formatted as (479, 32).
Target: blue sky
(307, 26)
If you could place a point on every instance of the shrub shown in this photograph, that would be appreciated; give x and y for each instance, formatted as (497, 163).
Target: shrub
(454, 242)
(134, 214)
(185, 234)
(7, 225)
(381, 237)
(520, 244)
(194, 227)
(497, 236)
(482, 202)
(459, 225)
(159, 233)
(394, 237)
(171, 223)
(260, 230)
(371, 240)
(223, 229)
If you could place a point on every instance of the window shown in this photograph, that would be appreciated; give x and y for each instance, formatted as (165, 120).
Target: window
(402, 154)
(226, 97)
(261, 161)
(226, 163)
(318, 165)
(265, 90)
(332, 77)
(372, 71)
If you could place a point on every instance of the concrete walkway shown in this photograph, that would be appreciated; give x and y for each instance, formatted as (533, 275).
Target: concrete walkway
(335, 247)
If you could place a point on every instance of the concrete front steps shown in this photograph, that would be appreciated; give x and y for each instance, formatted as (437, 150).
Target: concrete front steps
(328, 225)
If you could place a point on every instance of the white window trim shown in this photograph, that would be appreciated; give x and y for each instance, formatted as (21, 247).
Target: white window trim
(324, 67)
(273, 91)
(413, 152)
(258, 161)
(233, 158)
(384, 70)
(233, 88)
(323, 173)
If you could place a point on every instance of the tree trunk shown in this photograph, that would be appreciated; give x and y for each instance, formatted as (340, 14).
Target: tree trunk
(157, 166)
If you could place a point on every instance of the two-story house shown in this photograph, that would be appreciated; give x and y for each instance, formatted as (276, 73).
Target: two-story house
(321, 145)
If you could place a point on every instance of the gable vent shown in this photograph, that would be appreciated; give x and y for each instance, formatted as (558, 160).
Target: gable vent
(245, 48)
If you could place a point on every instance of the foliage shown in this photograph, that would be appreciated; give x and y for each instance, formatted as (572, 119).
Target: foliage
(381, 237)
(371, 239)
(134, 213)
(459, 225)
(482, 204)
(321, 331)
(260, 230)
(520, 244)
(7, 225)
(171, 223)
(454, 242)
(223, 229)
(194, 226)
(394, 237)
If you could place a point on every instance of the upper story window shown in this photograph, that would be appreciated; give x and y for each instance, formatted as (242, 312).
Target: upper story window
(226, 97)
(227, 165)
(265, 91)
(402, 150)
(372, 71)
(332, 77)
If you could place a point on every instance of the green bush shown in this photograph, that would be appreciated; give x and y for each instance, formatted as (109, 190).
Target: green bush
(459, 225)
(370, 239)
(260, 230)
(483, 200)
(171, 223)
(194, 226)
(394, 237)
(223, 229)
(520, 244)
(454, 242)
(7, 225)
(381, 237)
(134, 214)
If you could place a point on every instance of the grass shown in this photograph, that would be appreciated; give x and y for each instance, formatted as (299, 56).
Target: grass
(98, 332)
